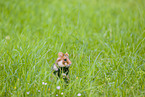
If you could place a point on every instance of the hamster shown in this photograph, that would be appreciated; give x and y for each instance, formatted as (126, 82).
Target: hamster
(61, 66)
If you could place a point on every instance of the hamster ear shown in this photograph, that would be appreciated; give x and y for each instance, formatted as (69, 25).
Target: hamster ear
(60, 54)
(66, 54)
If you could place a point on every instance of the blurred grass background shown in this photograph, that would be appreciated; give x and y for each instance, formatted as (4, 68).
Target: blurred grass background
(105, 40)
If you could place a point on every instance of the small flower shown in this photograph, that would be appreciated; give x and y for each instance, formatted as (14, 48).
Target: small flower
(28, 83)
(28, 92)
(76, 77)
(62, 93)
(79, 94)
(18, 79)
(11, 93)
(58, 87)
(14, 87)
(56, 94)
(48, 89)
(38, 90)
(7, 37)
(43, 83)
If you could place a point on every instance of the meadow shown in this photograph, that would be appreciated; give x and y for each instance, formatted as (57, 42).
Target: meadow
(104, 38)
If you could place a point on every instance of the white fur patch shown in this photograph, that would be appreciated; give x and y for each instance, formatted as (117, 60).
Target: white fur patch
(65, 64)
(55, 68)
(63, 74)
(68, 65)
(60, 64)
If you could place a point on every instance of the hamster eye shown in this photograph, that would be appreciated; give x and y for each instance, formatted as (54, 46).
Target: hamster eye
(65, 59)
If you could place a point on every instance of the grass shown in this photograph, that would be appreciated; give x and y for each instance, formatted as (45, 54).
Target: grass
(105, 40)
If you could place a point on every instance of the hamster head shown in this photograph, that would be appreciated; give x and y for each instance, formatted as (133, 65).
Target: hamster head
(63, 60)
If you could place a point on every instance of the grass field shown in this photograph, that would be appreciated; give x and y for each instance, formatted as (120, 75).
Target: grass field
(105, 40)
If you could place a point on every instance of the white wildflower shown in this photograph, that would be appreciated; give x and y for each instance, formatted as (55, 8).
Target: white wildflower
(28, 92)
(58, 87)
(7, 37)
(79, 94)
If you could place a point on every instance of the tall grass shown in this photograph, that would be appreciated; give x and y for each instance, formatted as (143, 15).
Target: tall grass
(105, 40)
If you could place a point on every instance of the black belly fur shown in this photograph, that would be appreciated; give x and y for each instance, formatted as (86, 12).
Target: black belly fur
(61, 70)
